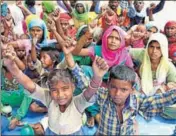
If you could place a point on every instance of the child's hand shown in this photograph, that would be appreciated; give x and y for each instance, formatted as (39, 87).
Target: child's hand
(38, 129)
(13, 123)
(100, 67)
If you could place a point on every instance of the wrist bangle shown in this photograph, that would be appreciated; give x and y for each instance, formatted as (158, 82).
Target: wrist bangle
(91, 87)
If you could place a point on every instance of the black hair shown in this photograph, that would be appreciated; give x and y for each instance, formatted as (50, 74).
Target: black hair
(30, 2)
(122, 72)
(53, 53)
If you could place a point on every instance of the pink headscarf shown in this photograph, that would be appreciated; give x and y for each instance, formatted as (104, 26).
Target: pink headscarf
(26, 44)
(119, 56)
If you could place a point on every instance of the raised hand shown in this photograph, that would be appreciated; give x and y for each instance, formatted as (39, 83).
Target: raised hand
(100, 67)
(56, 15)
(68, 46)
(152, 6)
(51, 24)
(9, 53)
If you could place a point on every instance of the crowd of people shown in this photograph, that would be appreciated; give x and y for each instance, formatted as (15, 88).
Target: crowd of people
(86, 64)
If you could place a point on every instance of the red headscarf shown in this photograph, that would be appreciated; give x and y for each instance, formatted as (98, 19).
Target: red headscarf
(170, 24)
(64, 16)
(71, 31)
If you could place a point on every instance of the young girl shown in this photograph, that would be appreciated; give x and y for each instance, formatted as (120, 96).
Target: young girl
(64, 110)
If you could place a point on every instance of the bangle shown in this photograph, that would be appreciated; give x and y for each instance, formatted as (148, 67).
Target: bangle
(91, 87)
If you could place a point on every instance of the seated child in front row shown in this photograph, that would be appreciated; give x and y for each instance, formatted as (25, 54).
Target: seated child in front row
(64, 110)
(120, 103)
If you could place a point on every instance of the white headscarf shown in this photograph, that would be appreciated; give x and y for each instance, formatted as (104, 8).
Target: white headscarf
(162, 70)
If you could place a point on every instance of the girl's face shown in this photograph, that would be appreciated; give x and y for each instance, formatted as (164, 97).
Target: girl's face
(21, 52)
(171, 31)
(46, 60)
(62, 92)
(30, 63)
(113, 40)
(80, 8)
(64, 24)
(36, 32)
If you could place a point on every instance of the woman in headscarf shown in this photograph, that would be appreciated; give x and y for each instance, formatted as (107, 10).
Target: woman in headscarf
(48, 8)
(155, 68)
(114, 52)
(80, 14)
(156, 71)
(37, 29)
(66, 27)
(170, 31)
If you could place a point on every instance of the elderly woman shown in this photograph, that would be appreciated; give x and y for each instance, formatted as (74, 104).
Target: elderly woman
(156, 71)
(170, 31)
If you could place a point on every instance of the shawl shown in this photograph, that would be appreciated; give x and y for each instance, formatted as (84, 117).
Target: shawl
(148, 86)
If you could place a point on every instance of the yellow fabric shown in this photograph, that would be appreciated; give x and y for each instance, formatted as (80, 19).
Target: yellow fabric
(29, 18)
(91, 16)
(162, 70)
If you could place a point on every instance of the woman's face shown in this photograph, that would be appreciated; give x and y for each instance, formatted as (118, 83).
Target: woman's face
(80, 8)
(154, 50)
(113, 40)
(64, 24)
(170, 31)
(36, 32)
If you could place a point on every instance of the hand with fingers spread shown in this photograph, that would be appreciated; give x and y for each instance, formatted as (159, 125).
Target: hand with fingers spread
(100, 67)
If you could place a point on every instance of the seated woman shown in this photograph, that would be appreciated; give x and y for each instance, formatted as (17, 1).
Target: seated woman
(114, 52)
(113, 48)
(155, 68)
(170, 31)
